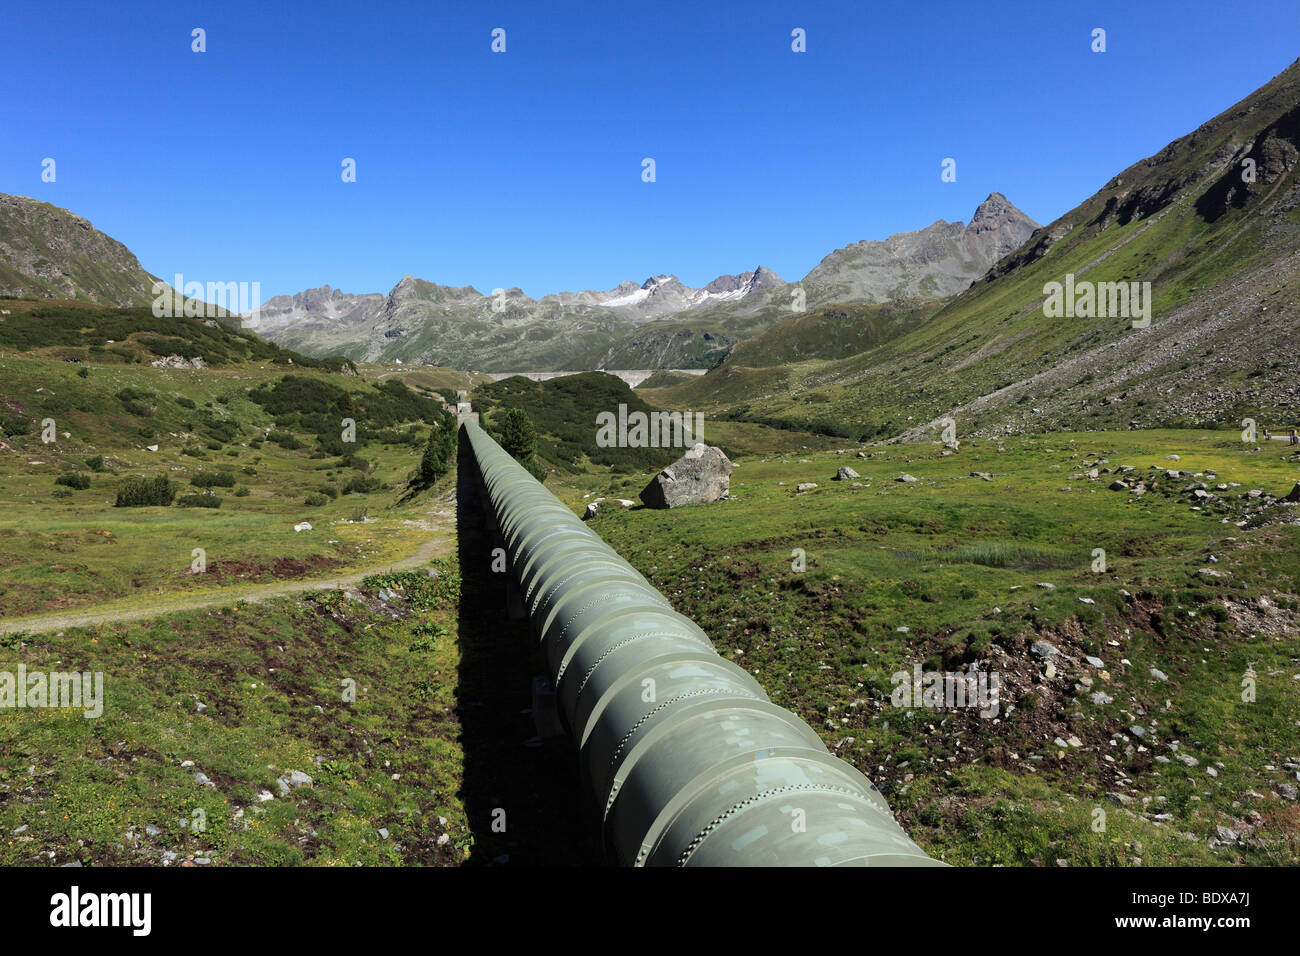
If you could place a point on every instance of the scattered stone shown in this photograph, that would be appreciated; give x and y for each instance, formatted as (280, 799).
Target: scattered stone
(383, 832)
(302, 526)
(806, 486)
(1043, 649)
(905, 477)
(845, 474)
(1101, 698)
(1096, 662)
(981, 474)
(1119, 485)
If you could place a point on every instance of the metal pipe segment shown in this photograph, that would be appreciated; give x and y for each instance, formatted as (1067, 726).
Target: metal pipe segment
(688, 761)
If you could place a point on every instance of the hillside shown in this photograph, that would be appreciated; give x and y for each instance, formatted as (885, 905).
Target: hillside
(49, 253)
(1222, 256)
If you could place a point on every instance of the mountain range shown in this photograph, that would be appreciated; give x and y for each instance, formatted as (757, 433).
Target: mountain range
(894, 335)
(1211, 222)
(659, 323)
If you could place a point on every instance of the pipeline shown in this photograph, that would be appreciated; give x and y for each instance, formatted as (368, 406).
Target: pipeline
(688, 761)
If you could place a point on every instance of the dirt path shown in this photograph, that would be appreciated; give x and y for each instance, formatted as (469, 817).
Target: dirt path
(443, 542)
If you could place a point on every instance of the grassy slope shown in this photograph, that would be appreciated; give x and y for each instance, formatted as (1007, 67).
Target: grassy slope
(61, 552)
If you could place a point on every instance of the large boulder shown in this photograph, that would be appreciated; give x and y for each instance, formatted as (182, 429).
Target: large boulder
(702, 475)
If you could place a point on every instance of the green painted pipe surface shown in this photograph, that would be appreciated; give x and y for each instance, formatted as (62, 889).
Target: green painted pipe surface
(688, 760)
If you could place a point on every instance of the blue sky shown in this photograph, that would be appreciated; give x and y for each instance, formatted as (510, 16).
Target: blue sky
(524, 168)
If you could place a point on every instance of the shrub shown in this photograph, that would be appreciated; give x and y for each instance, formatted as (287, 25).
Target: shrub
(315, 500)
(185, 402)
(74, 480)
(198, 501)
(15, 426)
(96, 463)
(241, 491)
(360, 485)
(83, 372)
(208, 479)
(285, 440)
(136, 491)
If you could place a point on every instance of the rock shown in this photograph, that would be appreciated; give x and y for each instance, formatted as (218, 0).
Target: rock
(151, 830)
(202, 780)
(151, 447)
(1159, 674)
(443, 839)
(1101, 698)
(1118, 485)
(1288, 791)
(1096, 662)
(1137, 730)
(299, 779)
(806, 486)
(283, 785)
(302, 526)
(1294, 493)
(845, 474)
(1084, 600)
(1211, 771)
(1227, 835)
(1173, 458)
(383, 832)
(1074, 741)
(981, 474)
(1043, 649)
(905, 477)
(701, 476)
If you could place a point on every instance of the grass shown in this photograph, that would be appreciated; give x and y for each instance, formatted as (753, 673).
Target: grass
(249, 694)
(59, 553)
(951, 570)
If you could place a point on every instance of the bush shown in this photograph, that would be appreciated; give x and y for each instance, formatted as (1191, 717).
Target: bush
(185, 402)
(360, 485)
(96, 463)
(74, 480)
(241, 491)
(15, 426)
(83, 372)
(136, 491)
(285, 440)
(315, 500)
(198, 501)
(208, 479)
